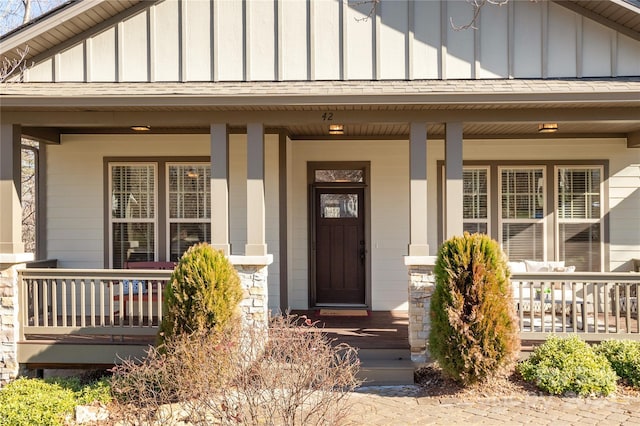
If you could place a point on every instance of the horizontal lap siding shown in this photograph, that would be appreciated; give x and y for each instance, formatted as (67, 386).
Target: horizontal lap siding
(76, 199)
(270, 40)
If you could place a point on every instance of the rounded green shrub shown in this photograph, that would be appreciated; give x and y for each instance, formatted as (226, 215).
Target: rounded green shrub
(565, 366)
(47, 402)
(624, 357)
(204, 294)
(474, 333)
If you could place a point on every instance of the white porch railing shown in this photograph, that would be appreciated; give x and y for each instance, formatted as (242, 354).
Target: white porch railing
(594, 305)
(115, 302)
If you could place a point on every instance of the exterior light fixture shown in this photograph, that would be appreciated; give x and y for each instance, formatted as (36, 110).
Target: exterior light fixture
(547, 127)
(140, 128)
(336, 129)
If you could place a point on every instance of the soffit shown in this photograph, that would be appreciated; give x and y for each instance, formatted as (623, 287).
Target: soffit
(59, 25)
(622, 15)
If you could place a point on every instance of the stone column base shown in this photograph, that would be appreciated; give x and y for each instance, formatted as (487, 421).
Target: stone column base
(421, 287)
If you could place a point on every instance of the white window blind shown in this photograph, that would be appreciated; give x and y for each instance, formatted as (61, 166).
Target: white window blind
(189, 206)
(475, 184)
(133, 212)
(522, 212)
(579, 216)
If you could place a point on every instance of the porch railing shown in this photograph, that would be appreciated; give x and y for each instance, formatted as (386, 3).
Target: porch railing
(594, 305)
(125, 302)
(97, 302)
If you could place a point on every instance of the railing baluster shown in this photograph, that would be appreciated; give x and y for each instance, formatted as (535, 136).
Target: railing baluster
(606, 307)
(83, 302)
(63, 293)
(45, 303)
(111, 303)
(627, 299)
(102, 314)
(617, 311)
(35, 284)
(54, 303)
(73, 304)
(92, 306)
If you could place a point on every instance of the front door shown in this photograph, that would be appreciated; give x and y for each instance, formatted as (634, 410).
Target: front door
(339, 246)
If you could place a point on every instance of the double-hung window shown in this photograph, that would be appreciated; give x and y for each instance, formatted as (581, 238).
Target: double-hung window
(475, 187)
(579, 207)
(522, 212)
(158, 209)
(133, 223)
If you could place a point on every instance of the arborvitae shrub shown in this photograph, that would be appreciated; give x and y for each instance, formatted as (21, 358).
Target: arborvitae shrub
(569, 366)
(204, 293)
(474, 334)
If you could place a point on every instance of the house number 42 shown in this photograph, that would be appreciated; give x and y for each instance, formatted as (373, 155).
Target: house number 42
(327, 116)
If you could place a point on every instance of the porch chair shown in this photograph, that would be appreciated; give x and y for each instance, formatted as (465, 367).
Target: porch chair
(132, 285)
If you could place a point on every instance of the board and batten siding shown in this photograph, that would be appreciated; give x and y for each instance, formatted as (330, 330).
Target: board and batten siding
(76, 199)
(295, 40)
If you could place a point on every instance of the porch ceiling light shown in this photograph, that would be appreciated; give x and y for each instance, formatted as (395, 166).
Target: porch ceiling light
(140, 128)
(547, 127)
(336, 129)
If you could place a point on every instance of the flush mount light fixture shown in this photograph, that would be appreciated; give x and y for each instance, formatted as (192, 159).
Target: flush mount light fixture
(547, 127)
(140, 128)
(336, 129)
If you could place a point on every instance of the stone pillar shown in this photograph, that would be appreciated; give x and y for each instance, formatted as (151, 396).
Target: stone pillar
(421, 287)
(9, 326)
(253, 272)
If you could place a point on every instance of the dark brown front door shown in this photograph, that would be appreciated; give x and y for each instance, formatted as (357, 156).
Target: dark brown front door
(339, 246)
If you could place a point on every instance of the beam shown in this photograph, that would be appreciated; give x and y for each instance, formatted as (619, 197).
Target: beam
(290, 118)
(633, 140)
(50, 135)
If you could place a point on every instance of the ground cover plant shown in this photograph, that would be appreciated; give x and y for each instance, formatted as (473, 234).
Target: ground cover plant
(300, 378)
(569, 366)
(474, 333)
(48, 402)
(624, 357)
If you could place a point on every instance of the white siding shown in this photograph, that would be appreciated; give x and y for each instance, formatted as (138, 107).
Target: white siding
(333, 40)
(389, 216)
(166, 41)
(134, 55)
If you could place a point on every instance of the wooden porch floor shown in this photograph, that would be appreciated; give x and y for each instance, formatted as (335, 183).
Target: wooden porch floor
(378, 330)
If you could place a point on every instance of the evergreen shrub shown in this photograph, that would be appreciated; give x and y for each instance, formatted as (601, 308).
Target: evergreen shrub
(624, 357)
(474, 334)
(569, 366)
(204, 293)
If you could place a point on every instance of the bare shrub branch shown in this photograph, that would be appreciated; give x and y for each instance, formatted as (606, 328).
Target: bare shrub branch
(477, 5)
(300, 378)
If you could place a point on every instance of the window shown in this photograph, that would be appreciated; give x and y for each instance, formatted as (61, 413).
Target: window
(475, 183)
(139, 191)
(133, 212)
(189, 205)
(522, 212)
(579, 216)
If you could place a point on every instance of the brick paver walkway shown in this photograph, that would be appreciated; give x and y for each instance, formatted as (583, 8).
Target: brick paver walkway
(402, 405)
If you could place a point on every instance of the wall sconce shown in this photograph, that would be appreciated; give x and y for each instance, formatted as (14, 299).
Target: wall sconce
(140, 128)
(336, 129)
(547, 128)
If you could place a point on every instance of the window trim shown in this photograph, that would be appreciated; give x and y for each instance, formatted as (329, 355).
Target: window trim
(160, 161)
(542, 220)
(168, 219)
(487, 220)
(600, 220)
(550, 234)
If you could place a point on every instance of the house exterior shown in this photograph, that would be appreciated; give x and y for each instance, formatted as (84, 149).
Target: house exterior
(334, 143)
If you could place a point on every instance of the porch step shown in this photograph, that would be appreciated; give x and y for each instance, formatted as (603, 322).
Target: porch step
(385, 367)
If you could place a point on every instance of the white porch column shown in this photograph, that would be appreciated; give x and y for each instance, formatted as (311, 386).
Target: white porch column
(10, 174)
(256, 236)
(220, 187)
(418, 190)
(453, 184)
